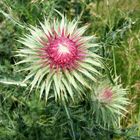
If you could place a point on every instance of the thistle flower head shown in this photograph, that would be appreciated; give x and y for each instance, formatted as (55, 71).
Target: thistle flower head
(109, 103)
(62, 52)
(59, 59)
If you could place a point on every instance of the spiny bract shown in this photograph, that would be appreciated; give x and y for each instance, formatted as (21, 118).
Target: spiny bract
(59, 59)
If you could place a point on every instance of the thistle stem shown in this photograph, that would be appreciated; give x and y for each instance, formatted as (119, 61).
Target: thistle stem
(109, 74)
(70, 120)
(114, 61)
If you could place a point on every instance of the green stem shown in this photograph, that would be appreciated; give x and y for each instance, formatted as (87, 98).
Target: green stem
(109, 17)
(109, 74)
(70, 120)
(114, 61)
(129, 58)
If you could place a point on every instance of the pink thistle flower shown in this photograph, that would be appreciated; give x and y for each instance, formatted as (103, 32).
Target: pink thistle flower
(59, 59)
(62, 52)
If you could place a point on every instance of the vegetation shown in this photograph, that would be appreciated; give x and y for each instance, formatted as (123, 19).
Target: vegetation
(116, 25)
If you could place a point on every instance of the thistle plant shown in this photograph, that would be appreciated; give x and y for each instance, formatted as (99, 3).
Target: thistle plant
(59, 59)
(109, 102)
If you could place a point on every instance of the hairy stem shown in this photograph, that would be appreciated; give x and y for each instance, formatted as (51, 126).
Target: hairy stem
(70, 120)
(114, 61)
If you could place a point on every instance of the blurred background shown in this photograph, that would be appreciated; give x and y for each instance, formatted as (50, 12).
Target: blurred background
(116, 24)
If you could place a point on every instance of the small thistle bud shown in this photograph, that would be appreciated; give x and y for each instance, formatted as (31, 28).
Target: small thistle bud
(106, 95)
(109, 103)
(59, 59)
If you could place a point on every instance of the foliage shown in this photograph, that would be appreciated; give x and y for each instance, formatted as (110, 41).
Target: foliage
(24, 116)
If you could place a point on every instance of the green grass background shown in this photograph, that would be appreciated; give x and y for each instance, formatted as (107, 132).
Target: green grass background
(116, 23)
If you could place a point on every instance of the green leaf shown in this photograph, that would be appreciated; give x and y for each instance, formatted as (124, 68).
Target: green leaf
(12, 82)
